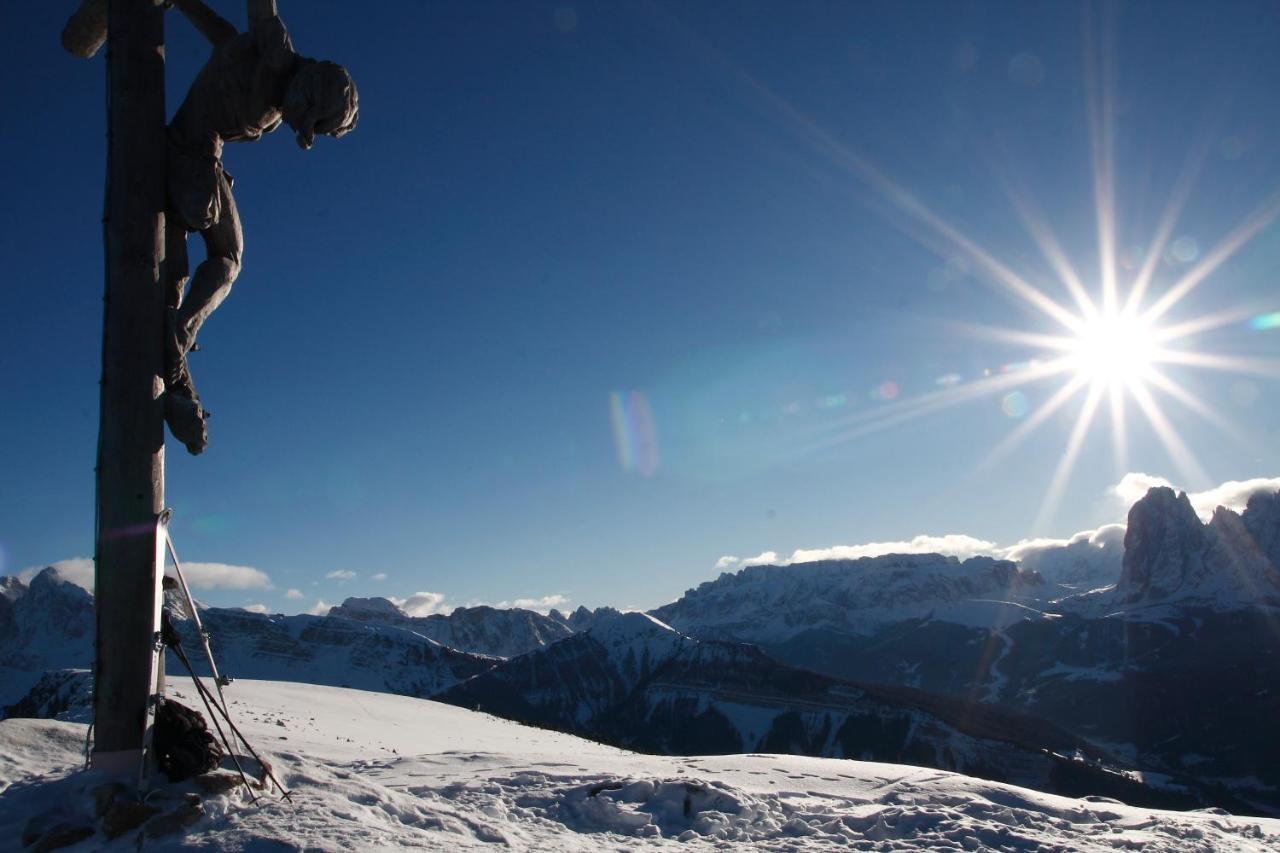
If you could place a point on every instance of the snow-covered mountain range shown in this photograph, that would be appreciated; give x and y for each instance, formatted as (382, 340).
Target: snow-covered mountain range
(482, 630)
(772, 604)
(1174, 664)
(1170, 666)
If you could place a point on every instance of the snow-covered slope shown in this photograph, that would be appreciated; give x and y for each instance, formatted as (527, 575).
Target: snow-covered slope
(380, 772)
(480, 630)
(771, 604)
(633, 681)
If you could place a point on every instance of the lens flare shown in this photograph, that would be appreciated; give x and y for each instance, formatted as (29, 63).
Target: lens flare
(1014, 404)
(1263, 322)
(634, 435)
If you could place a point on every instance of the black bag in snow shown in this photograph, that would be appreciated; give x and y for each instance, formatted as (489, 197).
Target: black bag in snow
(183, 744)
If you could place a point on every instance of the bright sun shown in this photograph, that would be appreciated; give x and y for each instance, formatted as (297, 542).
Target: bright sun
(1114, 349)
(1110, 348)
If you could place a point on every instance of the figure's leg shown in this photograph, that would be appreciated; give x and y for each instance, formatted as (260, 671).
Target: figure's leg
(182, 409)
(224, 242)
(176, 268)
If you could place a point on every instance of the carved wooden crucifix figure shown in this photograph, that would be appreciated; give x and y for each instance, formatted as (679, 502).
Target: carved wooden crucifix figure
(252, 83)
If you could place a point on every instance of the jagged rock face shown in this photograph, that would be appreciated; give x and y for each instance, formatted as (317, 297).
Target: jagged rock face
(11, 589)
(478, 630)
(1164, 546)
(490, 631)
(771, 604)
(46, 625)
(582, 619)
(1171, 556)
(1262, 520)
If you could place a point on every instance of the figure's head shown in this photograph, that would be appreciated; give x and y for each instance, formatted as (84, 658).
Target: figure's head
(321, 99)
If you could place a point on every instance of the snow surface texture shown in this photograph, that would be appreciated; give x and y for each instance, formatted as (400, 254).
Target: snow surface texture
(375, 771)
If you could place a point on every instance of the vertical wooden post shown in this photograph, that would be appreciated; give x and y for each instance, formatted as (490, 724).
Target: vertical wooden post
(130, 470)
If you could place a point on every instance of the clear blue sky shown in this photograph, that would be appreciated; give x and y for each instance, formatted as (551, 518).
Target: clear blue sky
(548, 203)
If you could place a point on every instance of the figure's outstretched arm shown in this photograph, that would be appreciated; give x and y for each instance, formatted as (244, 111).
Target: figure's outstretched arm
(211, 25)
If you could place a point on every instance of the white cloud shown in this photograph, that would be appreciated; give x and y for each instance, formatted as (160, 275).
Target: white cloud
(430, 603)
(422, 603)
(321, 608)
(380, 576)
(256, 608)
(293, 594)
(542, 604)
(1108, 535)
(1134, 485)
(951, 545)
(1233, 494)
(1091, 558)
(341, 575)
(77, 570)
(224, 576)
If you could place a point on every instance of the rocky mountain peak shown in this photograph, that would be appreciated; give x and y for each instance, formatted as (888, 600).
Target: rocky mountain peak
(50, 583)
(1262, 519)
(581, 619)
(1170, 554)
(11, 588)
(1164, 545)
(369, 610)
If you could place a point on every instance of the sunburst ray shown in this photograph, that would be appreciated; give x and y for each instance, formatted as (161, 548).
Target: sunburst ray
(1063, 472)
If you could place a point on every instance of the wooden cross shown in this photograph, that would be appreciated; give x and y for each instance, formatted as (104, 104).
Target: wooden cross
(128, 552)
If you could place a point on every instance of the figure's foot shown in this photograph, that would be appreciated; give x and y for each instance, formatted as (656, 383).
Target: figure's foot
(86, 29)
(186, 419)
(182, 410)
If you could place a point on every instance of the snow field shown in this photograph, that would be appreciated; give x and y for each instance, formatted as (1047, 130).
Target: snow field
(374, 771)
